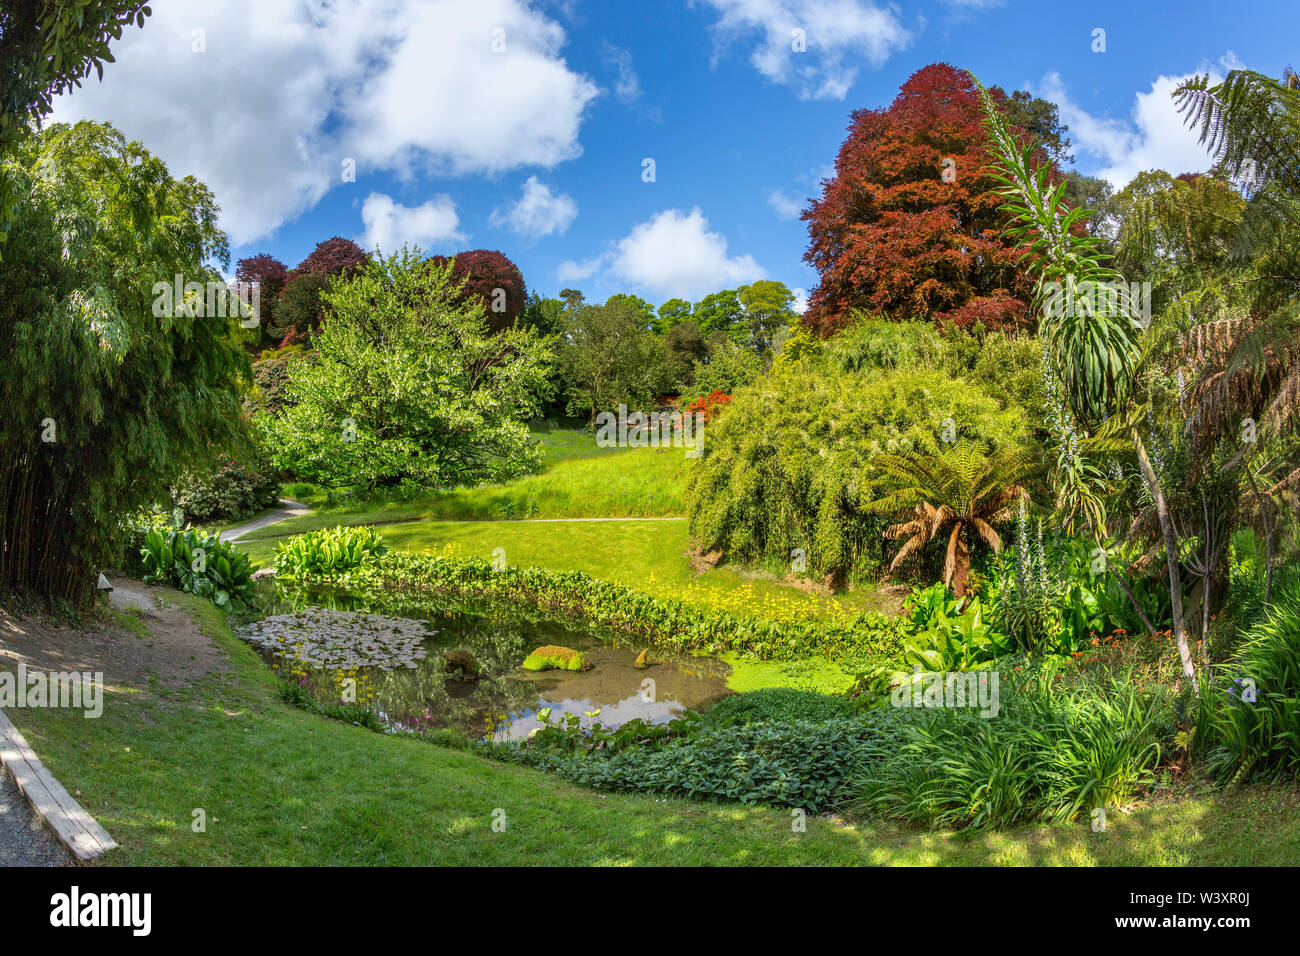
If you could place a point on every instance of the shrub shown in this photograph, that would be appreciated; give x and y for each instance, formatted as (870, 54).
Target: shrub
(777, 705)
(199, 564)
(1047, 756)
(552, 657)
(1248, 714)
(233, 491)
(806, 763)
(789, 464)
(328, 553)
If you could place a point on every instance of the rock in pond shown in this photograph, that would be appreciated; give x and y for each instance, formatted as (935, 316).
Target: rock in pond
(553, 657)
(460, 663)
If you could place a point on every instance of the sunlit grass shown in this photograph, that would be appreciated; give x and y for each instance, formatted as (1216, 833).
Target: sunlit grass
(280, 786)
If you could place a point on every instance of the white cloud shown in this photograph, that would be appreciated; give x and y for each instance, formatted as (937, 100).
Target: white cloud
(570, 271)
(539, 212)
(785, 206)
(390, 225)
(837, 34)
(671, 254)
(286, 90)
(1153, 137)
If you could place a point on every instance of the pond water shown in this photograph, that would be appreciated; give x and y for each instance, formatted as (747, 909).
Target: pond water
(503, 702)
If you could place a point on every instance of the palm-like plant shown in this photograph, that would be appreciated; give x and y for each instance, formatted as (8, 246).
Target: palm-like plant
(1096, 357)
(956, 493)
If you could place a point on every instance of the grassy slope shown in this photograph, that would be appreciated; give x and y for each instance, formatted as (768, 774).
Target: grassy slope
(281, 786)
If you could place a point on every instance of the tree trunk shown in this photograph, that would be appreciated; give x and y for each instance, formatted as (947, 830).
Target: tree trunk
(1171, 558)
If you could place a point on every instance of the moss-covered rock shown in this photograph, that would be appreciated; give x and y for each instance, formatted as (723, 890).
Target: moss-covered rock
(460, 663)
(553, 657)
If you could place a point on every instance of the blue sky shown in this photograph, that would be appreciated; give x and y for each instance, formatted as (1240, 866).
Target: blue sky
(536, 147)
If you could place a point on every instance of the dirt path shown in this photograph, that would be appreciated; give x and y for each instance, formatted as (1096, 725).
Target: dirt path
(173, 655)
(168, 651)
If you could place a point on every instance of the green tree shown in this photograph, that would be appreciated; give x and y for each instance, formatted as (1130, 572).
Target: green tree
(730, 367)
(542, 314)
(685, 346)
(46, 48)
(768, 312)
(671, 314)
(105, 398)
(636, 306)
(607, 357)
(409, 384)
(721, 312)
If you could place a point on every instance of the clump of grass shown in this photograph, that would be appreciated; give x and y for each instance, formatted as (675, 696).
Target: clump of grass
(1046, 757)
(1247, 715)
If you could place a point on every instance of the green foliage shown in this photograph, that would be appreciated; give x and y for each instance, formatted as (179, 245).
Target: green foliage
(1047, 757)
(777, 705)
(329, 553)
(956, 493)
(47, 47)
(667, 622)
(1050, 596)
(951, 635)
(199, 564)
(551, 657)
(103, 402)
(607, 356)
(408, 384)
(234, 490)
(805, 764)
(1248, 718)
(790, 463)
(729, 367)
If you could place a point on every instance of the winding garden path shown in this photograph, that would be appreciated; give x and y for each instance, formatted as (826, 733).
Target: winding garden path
(288, 509)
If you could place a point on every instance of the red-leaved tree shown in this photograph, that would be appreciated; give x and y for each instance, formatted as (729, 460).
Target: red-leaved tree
(298, 311)
(337, 256)
(909, 226)
(271, 275)
(488, 271)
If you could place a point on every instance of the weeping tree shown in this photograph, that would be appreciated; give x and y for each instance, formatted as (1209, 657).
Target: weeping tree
(47, 47)
(107, 392)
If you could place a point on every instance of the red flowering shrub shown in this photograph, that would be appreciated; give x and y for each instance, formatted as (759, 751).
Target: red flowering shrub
(710, 406)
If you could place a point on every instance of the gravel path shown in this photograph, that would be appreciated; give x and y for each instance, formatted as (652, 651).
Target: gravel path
(24, 841)
(287, 509)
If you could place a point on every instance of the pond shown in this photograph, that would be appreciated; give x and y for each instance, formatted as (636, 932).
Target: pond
(396, 663)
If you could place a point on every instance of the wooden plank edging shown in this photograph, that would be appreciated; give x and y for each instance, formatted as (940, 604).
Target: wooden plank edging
(74, 827)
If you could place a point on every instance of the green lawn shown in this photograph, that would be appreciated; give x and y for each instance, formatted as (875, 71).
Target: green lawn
(578, 480)
(281, 786)
(647, 555)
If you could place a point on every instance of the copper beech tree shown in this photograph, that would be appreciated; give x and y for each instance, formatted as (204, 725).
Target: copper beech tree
(909, 226)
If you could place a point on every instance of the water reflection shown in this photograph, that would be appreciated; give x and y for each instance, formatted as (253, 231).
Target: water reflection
(503, 701)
